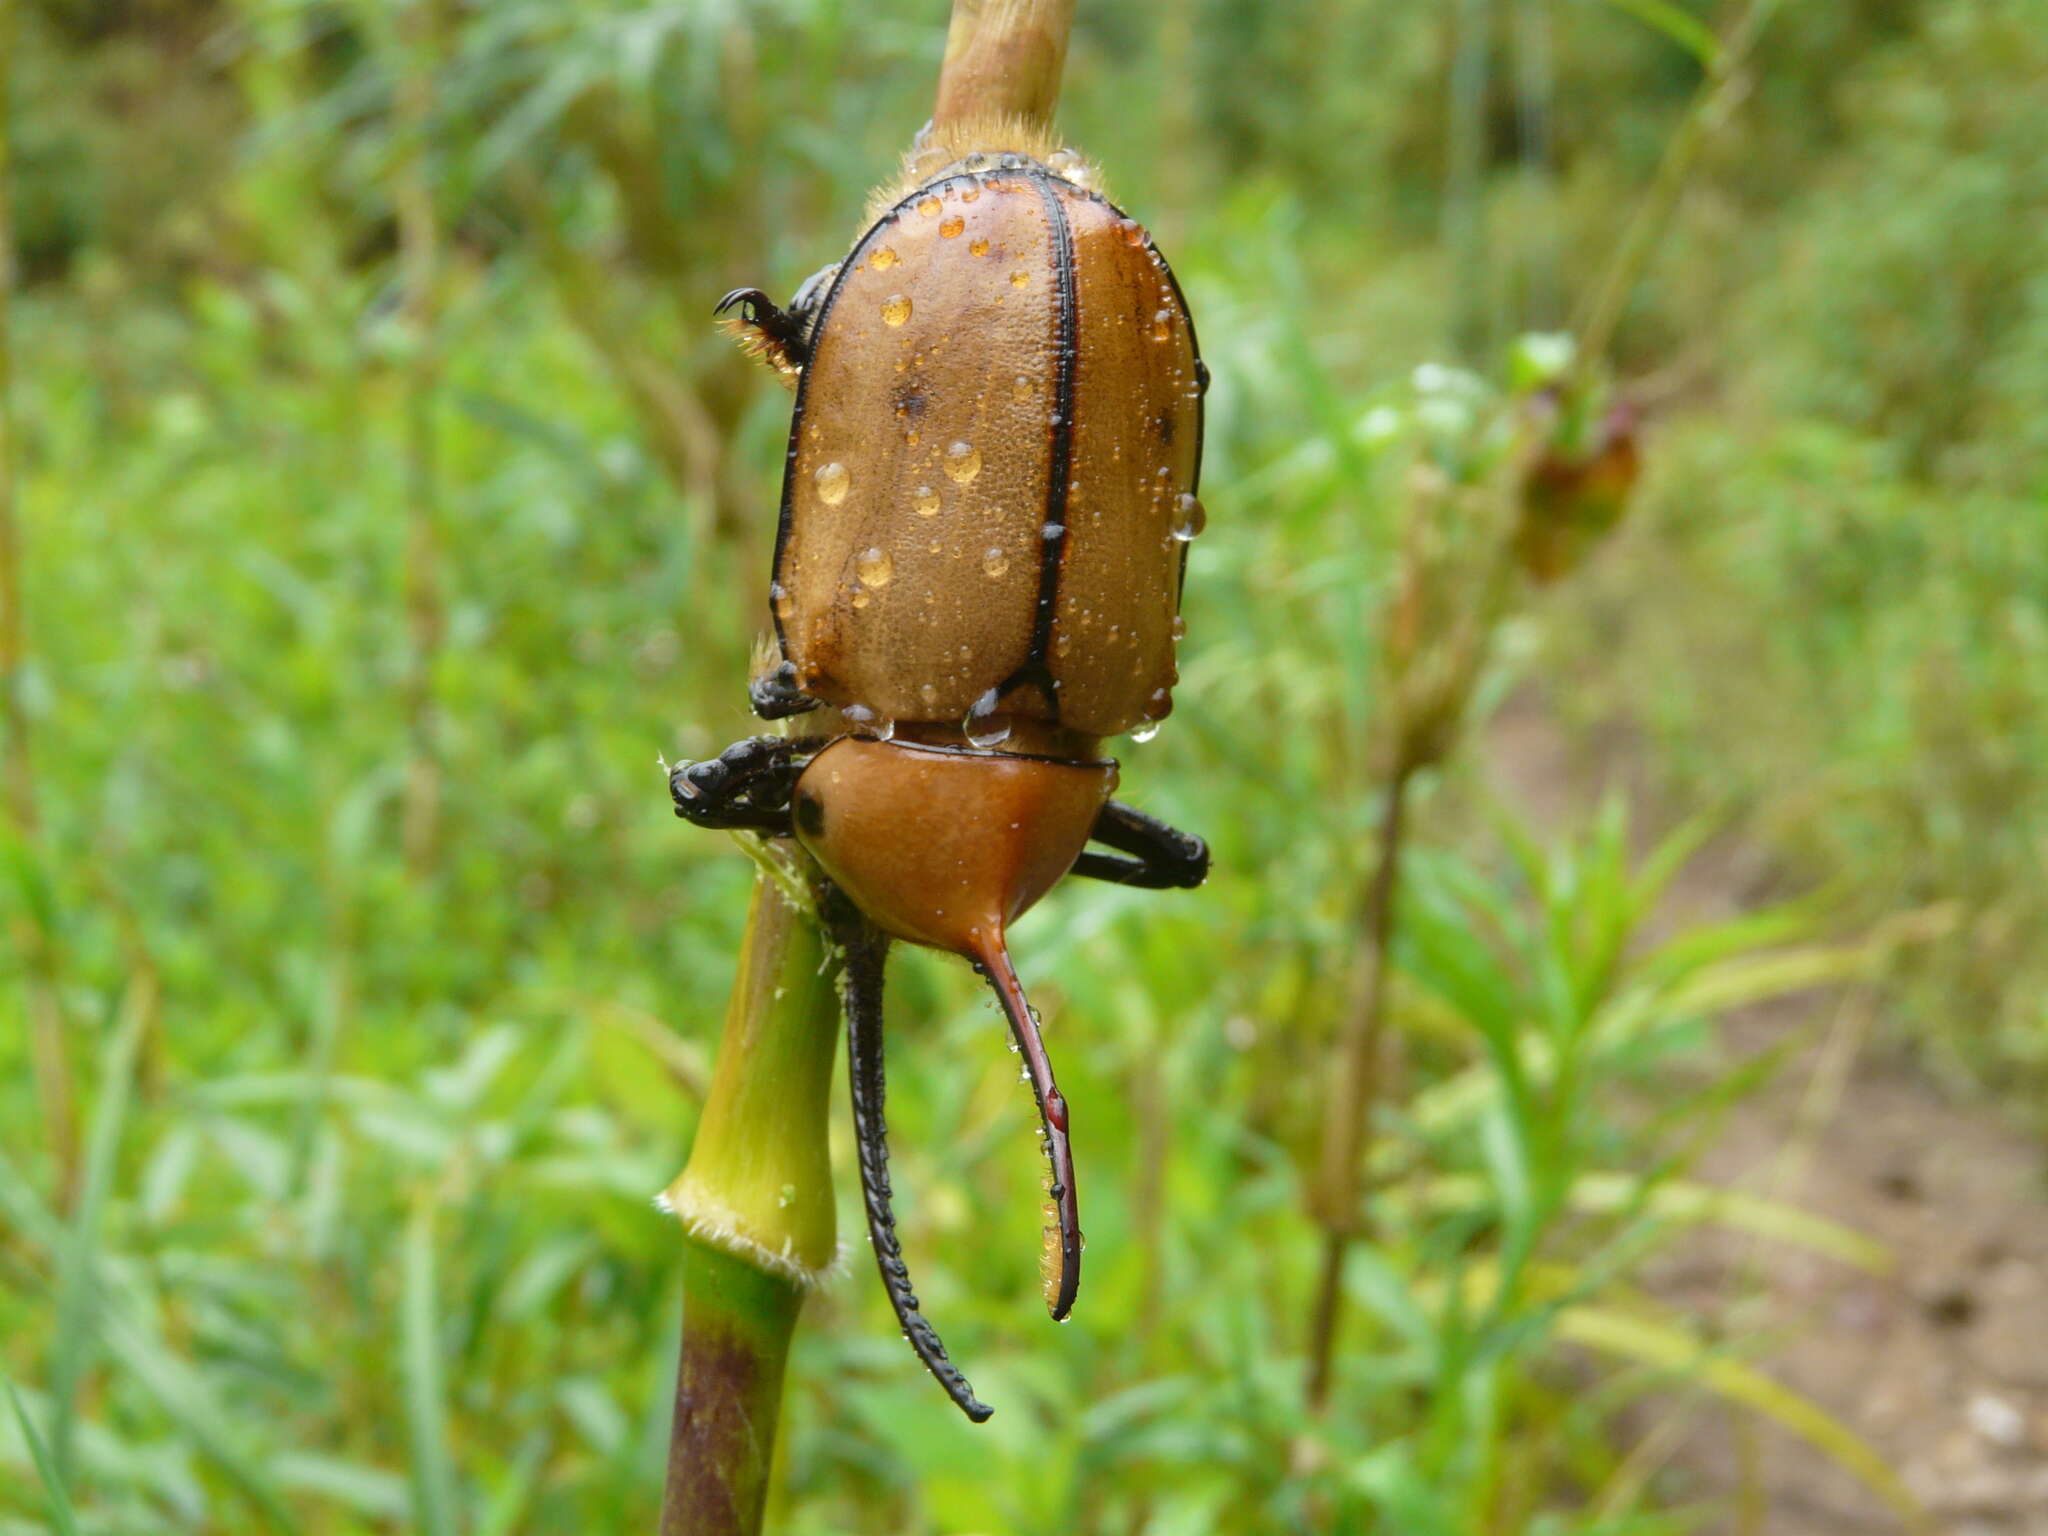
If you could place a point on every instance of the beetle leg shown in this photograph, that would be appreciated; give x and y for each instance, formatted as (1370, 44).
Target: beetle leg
(1062, 1261)
(781, 336)
(776, 696)
(866, 950)
(1165, 857)
(747, 786)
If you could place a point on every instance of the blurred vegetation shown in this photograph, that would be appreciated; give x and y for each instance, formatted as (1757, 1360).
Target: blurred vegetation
(360, 1238)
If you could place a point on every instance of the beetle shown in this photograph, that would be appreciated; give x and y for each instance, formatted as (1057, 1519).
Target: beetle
(987, 499)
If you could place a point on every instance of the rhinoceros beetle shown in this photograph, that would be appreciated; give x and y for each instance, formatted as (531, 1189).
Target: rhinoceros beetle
(986, 506)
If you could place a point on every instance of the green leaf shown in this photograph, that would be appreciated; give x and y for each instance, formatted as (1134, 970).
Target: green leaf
(1678, 25)
(61, 1517)
(433, 1473)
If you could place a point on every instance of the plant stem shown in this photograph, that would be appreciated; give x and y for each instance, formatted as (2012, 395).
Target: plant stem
(1003, 60)
(48, 1047)
(1354, 1092)
(419, 262)
(756, 1202)
(1602, 314)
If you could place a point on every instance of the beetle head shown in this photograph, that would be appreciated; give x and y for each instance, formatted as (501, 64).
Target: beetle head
(945, 847)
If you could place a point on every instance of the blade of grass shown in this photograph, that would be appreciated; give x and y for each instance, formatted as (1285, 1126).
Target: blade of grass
(62, 1520)
(77, 1283)
(433, 1473)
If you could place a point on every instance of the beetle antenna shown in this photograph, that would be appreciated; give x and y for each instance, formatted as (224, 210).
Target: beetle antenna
(1063, 1276)
(866, 950)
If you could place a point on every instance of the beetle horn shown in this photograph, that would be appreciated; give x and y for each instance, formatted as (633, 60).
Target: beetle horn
(866, 951)
(1062, 1259)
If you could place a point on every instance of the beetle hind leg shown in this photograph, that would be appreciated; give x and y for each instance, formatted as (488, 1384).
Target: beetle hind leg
(1160, 857)
(866, 950)
(776, 696)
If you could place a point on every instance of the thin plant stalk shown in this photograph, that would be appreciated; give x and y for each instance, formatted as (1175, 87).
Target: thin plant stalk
(419, 273)
(755, 1198)
(1710, 104)
(49, 1048)
(1354, 1092)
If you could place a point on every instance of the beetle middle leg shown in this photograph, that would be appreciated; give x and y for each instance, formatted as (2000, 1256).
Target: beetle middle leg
(746, 787)
(1163, 857)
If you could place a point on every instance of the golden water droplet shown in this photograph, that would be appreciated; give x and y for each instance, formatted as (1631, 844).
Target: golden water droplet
(952, 227)
(929, 207)
(927, 694)
(882, 258)
(1132, 231)
(1188, 518)
(969, 193)
(963, 462)
(780, 600)
(1180, 627)
(1020, 278)
(874, 566)
(978, 247)
(995, 561)
(1062, 643)
(1162, 325)
(860, 597)
(832, 482)
(925, 501)
(895, 309)
(1022, 388)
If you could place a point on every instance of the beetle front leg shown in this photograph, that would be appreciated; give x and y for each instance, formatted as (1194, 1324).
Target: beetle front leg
(1165, 858)
(776, 696)
(778, 335)
(746, 787)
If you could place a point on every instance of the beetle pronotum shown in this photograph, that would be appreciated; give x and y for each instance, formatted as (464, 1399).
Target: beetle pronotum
(986, 505)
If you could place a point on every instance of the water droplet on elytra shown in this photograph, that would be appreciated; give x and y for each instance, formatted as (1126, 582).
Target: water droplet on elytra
(929, 207)
(832, 481)
(780, 600)
(1162, 325)
(1020, 278)
(925, 501)
(1180, 627)
(882, 258)
(1188, 518)
(1132, 231)
(895, 309)
(1022, 388)
(977, 247)
(874, 566)
(963, 462)
(952, 227)
(1146, 731)
(1051, 531)
(995, 560)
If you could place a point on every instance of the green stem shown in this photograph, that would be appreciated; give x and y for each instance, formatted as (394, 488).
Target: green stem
(756, 1203)
(1354, 1091)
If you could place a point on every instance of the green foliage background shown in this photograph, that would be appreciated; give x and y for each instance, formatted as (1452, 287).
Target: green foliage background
(364, 1241)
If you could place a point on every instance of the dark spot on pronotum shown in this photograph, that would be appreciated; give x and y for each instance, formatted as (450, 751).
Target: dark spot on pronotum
(810, 814)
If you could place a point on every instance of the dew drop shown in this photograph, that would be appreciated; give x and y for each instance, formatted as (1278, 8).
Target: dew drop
(929, 207)
(1146, 731)
(1159, 705)
(925, 501)
(1062, 643)
(895, 309)
(969, 194)
(1162, 325)
(963, 462)
(780, 600)
(977, 247)
(859, 716)
(874, 567)
(1188, 518)
(1180, 627)
(983, 726)
(1020, 278)
(995, 561)
(928, 694)
(952, 227)
(861, 597)
(1053, 531)
(882, 258)
(1132, 231)
(832, 481)
(1022, 388)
